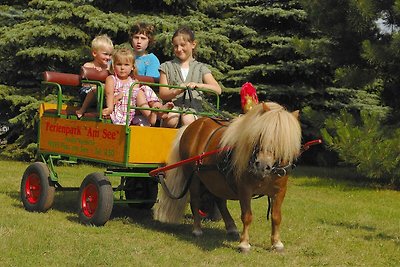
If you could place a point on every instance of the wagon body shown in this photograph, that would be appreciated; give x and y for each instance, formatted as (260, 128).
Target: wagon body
(129, 152)
(108, 143)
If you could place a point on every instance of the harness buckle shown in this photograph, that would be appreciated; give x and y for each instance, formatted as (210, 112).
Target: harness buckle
(280, 171)
(160, 176)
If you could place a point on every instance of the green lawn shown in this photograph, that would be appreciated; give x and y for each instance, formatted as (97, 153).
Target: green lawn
(325, 222)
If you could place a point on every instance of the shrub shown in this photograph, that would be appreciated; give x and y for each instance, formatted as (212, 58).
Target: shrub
(372, 147)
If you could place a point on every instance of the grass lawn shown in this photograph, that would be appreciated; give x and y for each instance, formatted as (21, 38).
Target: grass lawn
(326, 221)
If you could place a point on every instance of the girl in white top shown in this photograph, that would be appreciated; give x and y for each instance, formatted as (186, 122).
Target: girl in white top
(185, 71)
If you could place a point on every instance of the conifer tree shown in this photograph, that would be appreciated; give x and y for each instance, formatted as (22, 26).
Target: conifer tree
(282, 47)
(369, 71)
(35, 37)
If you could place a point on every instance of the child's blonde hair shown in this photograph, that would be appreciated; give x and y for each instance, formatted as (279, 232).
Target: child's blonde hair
(102, 41)
(123, 53)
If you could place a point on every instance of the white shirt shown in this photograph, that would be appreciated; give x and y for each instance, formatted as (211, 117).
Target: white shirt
(184, 72)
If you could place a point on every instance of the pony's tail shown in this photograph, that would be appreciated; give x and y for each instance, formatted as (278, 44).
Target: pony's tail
(167, 209)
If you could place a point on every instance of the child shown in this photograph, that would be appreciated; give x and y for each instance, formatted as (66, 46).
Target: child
(185, 71)
(117, 90)
(102, 48)
(141, 38)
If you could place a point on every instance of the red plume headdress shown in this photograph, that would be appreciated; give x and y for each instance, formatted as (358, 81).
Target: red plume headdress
(248, 96)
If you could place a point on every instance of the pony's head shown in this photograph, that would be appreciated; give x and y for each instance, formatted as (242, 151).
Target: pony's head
(265, 138)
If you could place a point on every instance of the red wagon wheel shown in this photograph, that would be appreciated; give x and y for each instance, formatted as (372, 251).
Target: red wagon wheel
(90, 198)
(95, 200)
(37, 190)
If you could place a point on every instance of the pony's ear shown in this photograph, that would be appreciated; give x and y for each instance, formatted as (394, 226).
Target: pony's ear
(266, 107)
(296, 114)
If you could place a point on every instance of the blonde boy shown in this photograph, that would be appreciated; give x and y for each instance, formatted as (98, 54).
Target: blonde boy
(102, 48)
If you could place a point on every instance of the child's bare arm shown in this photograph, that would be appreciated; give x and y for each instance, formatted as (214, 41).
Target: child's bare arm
(142, 102)
(165, 92)
(209, 83)
(92, 66)
(109, 94)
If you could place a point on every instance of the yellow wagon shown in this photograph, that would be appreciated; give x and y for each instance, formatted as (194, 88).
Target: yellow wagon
(130, 152)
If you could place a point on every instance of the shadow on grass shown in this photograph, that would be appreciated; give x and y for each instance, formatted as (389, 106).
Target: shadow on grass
(374, 234)
(63, 201)
(350, 225)
(211, 239)
(67, 202)
(345, 178)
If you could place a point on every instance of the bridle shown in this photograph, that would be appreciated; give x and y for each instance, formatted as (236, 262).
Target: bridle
(276, 169)
(282, 170)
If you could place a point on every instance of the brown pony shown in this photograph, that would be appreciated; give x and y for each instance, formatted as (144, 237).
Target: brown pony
(263, 144)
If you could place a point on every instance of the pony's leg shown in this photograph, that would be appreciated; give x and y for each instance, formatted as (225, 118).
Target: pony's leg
(195, 206)
(230, 225)
(276, 219)
(247, 217)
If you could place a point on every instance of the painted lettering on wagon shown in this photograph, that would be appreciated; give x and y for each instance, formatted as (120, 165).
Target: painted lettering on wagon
(86, 139)
(67, 130)
(77, 131)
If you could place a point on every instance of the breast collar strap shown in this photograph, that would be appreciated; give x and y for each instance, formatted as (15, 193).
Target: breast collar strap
(225, 168)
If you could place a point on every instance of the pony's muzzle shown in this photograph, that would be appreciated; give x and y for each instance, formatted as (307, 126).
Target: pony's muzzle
(262, 168)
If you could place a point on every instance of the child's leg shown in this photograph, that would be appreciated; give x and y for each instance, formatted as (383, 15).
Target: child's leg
(161, 114)
(188, 119)
(86, 103)
(142, 102)
(171, 121)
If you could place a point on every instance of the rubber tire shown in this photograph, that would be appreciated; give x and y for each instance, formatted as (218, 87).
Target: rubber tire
(37, 190)
(136, 188)
(96, 200)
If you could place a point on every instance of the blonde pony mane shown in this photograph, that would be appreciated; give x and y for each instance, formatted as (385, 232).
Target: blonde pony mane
(272, 129)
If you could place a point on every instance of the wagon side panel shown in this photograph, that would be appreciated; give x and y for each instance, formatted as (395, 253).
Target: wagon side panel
(83, 139)
(150, 144)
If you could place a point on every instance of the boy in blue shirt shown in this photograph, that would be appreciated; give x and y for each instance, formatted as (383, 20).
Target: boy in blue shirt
(147, 64)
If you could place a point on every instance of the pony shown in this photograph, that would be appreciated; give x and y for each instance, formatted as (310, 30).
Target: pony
(255, 152)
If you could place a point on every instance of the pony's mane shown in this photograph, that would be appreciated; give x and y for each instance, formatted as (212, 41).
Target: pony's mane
(275, 130)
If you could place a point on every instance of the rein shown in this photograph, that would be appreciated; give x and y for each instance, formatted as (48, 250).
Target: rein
(197, 158)
(159, 173)
(283, 170)
(161, 180)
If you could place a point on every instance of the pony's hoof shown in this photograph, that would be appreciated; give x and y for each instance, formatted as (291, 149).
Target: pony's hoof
(278, 247)
(244, 248)
(197, 233)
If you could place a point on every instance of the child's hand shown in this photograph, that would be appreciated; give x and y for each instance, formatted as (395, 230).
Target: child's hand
(168, 105)
(107, 111)
(191, 85)
(164, 115)
(155, 104)
(178, 91)
(118, 97)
